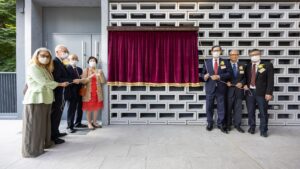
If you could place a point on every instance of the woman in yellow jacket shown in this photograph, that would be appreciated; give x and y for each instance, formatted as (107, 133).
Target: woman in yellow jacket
(38, 100)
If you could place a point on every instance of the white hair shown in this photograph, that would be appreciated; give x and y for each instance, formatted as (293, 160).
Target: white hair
(58, 47)
(234, 50)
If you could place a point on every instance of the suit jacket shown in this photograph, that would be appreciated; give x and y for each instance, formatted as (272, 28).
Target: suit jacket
(60, 75)
(74, 73)
(264, 78)
(241, 78)
(224, 72)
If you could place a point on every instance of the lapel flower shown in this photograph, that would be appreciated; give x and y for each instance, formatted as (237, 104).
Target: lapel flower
(241, 68)
(260, 66)
(222, 63)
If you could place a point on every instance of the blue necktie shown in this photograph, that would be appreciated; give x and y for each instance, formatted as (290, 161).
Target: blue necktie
(234, 71)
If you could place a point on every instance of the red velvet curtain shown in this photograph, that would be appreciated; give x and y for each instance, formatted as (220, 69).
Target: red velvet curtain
(155, 58)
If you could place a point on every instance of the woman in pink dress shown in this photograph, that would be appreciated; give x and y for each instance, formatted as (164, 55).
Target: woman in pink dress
(92, 101)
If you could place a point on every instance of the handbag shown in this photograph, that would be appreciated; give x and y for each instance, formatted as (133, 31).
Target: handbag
(82, 90)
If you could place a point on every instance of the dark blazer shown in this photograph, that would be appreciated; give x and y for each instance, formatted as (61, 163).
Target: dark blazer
(74, 88)
(60, 75)
(241, 78)
(225, 74)
(264, 79)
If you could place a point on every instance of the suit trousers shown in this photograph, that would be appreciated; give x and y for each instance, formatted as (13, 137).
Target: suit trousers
(262, 105)
(210, 98)
(74, 107)
(56, 113)
(234, 110)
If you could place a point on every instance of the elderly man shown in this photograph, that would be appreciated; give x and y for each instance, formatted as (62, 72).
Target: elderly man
(235, 93)
(260, 82)
(75, 101)
(60, 74)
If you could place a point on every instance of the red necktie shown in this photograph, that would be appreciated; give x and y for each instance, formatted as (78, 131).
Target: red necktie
(253, 75)
(216, 67)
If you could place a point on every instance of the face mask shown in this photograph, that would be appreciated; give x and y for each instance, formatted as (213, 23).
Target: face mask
(216, 54)
(43, 60)
(255, 58)
(92, 64)
(65, 55)
(73, 62)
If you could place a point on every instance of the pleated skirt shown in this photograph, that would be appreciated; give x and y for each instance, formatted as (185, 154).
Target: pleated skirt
(36, 133)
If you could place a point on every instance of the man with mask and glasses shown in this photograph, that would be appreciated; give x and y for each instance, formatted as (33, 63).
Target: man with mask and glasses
(60, 74)
(260, 83)
(216, 72)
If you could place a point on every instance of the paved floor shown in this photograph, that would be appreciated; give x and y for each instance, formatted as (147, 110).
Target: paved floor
(157, 147)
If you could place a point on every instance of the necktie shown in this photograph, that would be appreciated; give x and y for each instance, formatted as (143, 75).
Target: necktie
(216, 67)
(234, 70)
(253, 75)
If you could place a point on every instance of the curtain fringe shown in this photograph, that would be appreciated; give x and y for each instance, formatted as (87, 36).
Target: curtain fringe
(154, 84)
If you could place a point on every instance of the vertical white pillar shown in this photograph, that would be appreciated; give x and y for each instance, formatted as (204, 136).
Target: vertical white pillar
(104, 57)
(20, 51)
(31, 23)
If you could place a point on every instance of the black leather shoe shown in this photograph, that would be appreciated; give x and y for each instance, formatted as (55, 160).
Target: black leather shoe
(228, 128)
(61, 134)
(223, 129)
(264, 134)
(209, 127)
(239, 129)
(71, 130)
(251, 130)
(58, 141)
(80, 125)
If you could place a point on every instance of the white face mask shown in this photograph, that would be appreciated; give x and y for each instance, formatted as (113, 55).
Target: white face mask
(92, 64)
(255, 58)
(215, 54)
(43, 60)
(73, 62)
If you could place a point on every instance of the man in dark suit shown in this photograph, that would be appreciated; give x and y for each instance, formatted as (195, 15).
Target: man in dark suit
(60, 74)
(75, 101)
(216, 73)
(235, 92)
(260, 84)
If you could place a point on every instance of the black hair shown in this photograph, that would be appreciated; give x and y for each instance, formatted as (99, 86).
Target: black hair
(216, 46)
(92, 58)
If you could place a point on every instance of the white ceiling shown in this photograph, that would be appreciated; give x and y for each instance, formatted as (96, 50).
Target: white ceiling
(69, 3)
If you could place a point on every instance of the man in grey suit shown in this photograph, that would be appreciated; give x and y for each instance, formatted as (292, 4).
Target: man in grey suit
(235, 93)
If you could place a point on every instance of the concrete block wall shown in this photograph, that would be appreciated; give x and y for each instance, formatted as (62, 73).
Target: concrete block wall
(273, 27)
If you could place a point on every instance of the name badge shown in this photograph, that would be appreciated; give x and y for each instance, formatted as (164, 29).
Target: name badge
(223, 67)
(242, 72)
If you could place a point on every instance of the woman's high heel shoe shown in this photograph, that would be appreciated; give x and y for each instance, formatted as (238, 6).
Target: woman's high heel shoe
(91, 126)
